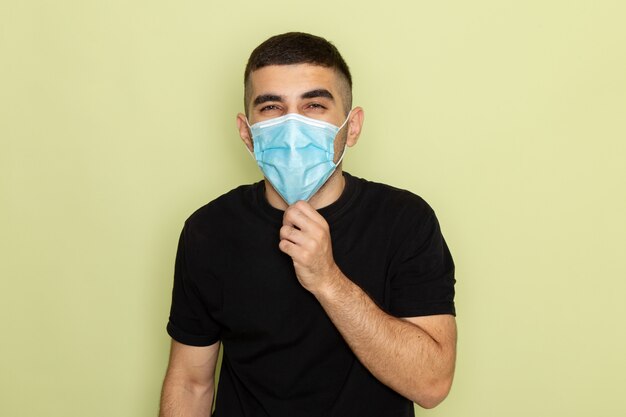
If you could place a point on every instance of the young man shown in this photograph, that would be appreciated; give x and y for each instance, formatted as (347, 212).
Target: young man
(331, 295)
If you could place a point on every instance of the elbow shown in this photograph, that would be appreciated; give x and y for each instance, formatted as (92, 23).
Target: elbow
(432, 395)
(189, 385)
(429, 402)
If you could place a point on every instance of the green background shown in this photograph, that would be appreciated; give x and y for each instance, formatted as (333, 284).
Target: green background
(117, 121)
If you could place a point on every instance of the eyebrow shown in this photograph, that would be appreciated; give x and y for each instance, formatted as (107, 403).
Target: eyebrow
(264, 98)
(320, 92)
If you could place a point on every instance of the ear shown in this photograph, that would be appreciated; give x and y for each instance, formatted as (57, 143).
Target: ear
(244, 131)
(354, 126)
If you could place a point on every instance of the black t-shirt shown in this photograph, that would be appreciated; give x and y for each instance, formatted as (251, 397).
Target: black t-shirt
(282, 354)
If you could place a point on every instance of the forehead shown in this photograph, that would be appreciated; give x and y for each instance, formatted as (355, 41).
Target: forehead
(292, 79)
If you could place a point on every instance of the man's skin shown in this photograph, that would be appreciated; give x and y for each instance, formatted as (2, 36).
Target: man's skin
(415, 356)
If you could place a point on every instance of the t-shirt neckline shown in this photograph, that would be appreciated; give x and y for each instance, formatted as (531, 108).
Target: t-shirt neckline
(331, 213)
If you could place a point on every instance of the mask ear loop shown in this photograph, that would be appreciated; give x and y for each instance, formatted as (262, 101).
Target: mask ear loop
(345, 121)
(345, 146)
(251, 137)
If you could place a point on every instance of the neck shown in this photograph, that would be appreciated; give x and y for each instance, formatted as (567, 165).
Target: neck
(325, 196)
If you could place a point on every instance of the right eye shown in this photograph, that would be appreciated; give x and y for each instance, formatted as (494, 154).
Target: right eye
(269, 107)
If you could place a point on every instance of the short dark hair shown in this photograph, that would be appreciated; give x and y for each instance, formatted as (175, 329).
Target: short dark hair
(298, 48)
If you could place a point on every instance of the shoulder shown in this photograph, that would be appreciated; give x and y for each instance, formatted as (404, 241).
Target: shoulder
(227, 207)
(392, 201)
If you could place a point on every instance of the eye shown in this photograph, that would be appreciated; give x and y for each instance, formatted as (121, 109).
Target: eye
(315, 106)
(269, 107)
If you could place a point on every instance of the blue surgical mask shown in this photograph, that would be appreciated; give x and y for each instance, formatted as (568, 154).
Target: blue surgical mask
(296, 154)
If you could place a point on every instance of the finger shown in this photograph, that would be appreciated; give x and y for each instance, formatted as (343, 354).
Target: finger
(287, 247)
(290, 233)
(299, 255)
(309, 211)
(295, 217)
(302, 215)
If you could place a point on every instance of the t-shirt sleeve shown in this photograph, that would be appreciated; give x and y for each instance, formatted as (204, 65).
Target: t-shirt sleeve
(190, 321)
(422, 275)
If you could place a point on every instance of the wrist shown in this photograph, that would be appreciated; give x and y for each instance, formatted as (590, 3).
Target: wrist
(330, 287)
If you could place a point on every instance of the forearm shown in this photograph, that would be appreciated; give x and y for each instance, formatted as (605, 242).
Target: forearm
(181, 399)
(416, 363)
(398, 353)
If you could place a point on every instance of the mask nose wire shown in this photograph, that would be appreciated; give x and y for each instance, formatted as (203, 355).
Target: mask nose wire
(340, 127)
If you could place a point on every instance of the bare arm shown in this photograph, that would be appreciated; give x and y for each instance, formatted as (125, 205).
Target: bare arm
(413, 356)
(190, 381)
